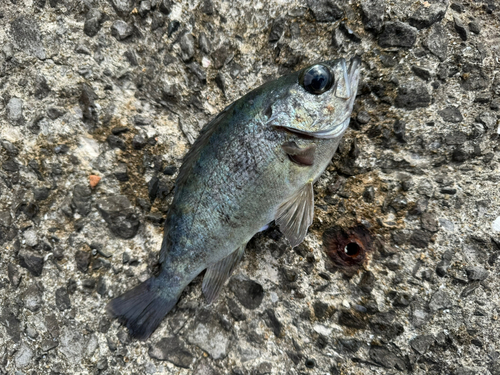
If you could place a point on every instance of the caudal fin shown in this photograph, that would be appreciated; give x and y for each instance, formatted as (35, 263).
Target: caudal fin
(142, 308)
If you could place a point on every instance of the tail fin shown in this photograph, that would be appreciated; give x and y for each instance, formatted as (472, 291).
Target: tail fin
(142, 308)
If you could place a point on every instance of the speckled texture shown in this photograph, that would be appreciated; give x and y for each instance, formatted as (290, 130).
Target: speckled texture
(120, 90)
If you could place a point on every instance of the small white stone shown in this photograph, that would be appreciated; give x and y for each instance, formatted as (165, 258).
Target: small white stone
(496, 225)
(30, 237)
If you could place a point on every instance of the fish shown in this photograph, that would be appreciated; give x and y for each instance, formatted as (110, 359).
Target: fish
(254, 163)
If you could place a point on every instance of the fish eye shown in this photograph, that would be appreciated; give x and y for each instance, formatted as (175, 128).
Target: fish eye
(316, 79)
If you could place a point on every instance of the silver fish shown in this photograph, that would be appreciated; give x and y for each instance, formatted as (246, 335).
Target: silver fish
(254, 163)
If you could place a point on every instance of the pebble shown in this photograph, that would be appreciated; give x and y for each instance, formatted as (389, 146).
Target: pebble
(248, 292)
(30, 237)
(123, 7)
(210, 338)
(33, 298)
(13, 275)
(412, 96)
(93, 22)
(72, 344)
(439, 301)
(421, 344)
(23, 356)
(63, 301)
(386, 358)
(121, 30)
(187, 47)
(428, 13)
(204, 43)
(81, 199)
(82, 259)
(119, 215)
(397, 34)
(94, 180)
(372, 12)
(32, 262)
(15, 111)
(26, 35)
(460, 28)
(325, 10)
(277, 29)
(476, 273)
(437, 42)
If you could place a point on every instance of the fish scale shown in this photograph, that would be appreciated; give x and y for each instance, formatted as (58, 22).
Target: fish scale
(254, 163)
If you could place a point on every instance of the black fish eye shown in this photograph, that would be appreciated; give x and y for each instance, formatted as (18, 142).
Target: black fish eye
(316, 79)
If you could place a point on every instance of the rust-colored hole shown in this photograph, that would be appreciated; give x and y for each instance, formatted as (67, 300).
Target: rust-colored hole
(347, 248)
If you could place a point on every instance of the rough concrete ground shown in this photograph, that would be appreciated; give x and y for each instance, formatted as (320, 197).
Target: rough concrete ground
(119, 89)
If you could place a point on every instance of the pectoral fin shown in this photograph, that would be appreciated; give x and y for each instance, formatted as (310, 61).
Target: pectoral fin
(301, 156)
(217, 274)
(296, 215)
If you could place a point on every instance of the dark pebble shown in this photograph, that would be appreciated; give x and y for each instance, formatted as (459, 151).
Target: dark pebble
(32, 262)
(204, 43)
(54, 112)
(386, 358)
(428, 14)
(171, 349)
(420, 239)
(42, 88)
(310, 363)
(173, 26)
(277, 29)
(397, 34)
(372, 13)
(165, 6)
(437, 42)
(119, 215)
(383, 324)
(350, 319)
(451, 114)
(325, 10)
(81, 199)
(82, 259)
(141, 121)
(198, 71)
(40, 194)
(273, 322)
(116, 142)
(428, 222)
(412, 96)
(448, 191)
(62, 299)
(235, 310)
(207, 7)
(93, 22)
(473, 78)
(247, 292)
(421, 344)
(422, 73)
(460, 28)
(187, 47)
(170, 170)
(474, 27)
(119, 130)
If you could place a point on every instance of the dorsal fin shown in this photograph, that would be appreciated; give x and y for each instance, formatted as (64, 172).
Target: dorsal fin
(296, 215)
(203, 138)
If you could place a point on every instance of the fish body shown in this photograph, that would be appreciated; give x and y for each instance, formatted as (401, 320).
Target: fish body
(254, 163)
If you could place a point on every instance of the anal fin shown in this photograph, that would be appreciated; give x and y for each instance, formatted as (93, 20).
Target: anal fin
(295, 216)
(217, 274)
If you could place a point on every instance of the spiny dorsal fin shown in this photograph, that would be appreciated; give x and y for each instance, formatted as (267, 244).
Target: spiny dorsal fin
(296, 215)
(217, 274)
(302, 156)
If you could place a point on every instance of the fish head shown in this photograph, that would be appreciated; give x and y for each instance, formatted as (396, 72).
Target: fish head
(318, 100)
